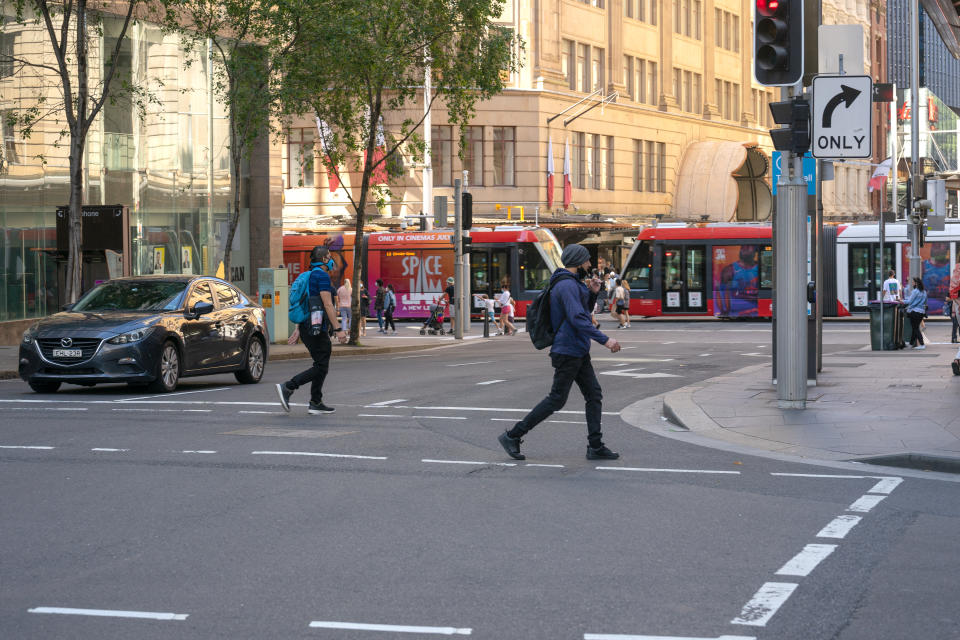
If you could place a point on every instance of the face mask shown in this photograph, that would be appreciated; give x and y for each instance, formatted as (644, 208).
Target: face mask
(581, 273)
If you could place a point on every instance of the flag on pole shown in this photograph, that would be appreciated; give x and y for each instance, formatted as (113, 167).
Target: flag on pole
(325, 142)
(550, 173)
(567, 186)
(879, 177)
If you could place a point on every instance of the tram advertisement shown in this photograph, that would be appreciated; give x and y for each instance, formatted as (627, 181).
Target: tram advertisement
(418, 277)
(935, 270)
(736, 280)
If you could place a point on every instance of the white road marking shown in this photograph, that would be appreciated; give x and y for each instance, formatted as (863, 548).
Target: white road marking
(170, 395)
(503, 419)
(755, 355)
(24, 446)
(627, 373)
(665, 470)
(197, 410)
(620, 636)
(360, 626)
(764, 604)
(816, 475)
(496, 464)
(108, 449)
(865, 503)
(312, 453)
(442, 417)
(670, 342)
(152, 410)
(567, 421)
(257, 412)
(886, 485)
(807, 560)
(386, 402)
(467, 364)
(197, 451)
(147, 615)
(616, 359)
(839, 527)
(403, 357)
(552, 466)
(48, 408)
(705, 355)
(480, 384)
(381, 415)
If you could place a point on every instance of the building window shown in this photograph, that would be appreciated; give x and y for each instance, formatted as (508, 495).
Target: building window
(597, 67)
(300, 158)
(602, 148)
(661, 167)
(7, 41)
(473, 156)
(593, 3)
(628, 7)
(653, 11)
(688, 87)
(441, 155)
(588, 160)
(568, 63)
(8, 132)
(610, 164)
(652, 83)
(649, 162)
(727, 30)
(629, 78)
(583, 67)
(576, 161)
(638, 165)
(504, 156)
(686, 18)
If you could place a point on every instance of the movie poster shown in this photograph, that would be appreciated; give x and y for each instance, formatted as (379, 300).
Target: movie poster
(935, 272)
(418, 277)
(736, 281)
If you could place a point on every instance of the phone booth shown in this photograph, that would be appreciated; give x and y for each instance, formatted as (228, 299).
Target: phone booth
(273, 294)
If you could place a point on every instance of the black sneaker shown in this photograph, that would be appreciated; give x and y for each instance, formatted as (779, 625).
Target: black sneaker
(601, 453)
(316, 409)
(284, 392)
(511, 446)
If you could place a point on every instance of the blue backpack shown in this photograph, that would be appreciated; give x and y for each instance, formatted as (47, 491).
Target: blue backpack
(299, 293)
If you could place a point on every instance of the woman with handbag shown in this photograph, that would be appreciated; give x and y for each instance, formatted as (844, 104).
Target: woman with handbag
(390, 305)
(916, 303)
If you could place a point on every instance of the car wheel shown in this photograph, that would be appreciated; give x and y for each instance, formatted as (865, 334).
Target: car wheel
(44, 387)
(168, 369)
(256, 362)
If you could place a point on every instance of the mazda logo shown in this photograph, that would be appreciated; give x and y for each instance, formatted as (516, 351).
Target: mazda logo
(66, 342)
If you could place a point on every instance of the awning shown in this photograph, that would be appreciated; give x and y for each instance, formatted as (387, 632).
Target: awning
(722, 181)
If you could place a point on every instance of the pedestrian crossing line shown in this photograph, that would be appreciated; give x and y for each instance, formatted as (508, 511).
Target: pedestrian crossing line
(396, 628)
(667, 470)
(316, 454)
(110, 613)
(865, 503)
(765, 603)
(807, 560)
(479, 384)
(839, 527)
(474, 462)
(25, 446)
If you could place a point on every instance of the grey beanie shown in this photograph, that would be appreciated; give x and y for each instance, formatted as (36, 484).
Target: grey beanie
(574, 255)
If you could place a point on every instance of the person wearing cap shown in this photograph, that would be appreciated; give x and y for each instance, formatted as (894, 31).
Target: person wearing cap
(451, 310)
(570, 305)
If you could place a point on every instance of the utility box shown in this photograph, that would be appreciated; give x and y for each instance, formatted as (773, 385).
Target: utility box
(273, 294)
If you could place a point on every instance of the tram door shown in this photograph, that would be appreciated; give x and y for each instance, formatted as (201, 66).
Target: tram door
(684, 279)
(489, 268)
(865, 275)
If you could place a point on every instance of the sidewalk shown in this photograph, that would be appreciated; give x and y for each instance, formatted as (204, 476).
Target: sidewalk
(899, 408)
(408, 338)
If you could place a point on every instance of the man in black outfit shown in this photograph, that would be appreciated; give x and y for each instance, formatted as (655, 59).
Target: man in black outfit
(318, 345)
(570, 305)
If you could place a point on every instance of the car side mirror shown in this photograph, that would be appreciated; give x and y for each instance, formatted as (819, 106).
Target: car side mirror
(67, 307)
(199, 309)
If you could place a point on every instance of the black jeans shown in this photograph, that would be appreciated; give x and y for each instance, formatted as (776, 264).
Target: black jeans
(956, 327)
(916, 317)
(319, 348)
(388, 320)
(566, 371)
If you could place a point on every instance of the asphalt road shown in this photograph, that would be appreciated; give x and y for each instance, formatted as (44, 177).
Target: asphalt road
(211, 513)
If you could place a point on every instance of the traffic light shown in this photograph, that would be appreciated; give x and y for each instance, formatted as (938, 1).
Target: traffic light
(795, 137)
(466, 211)
(778, 42)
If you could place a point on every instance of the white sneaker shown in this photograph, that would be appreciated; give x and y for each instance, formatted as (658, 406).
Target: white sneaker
(920, 347)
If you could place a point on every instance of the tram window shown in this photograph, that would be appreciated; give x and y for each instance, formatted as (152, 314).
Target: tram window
(533, 269)
(766, 268)
(637, 273)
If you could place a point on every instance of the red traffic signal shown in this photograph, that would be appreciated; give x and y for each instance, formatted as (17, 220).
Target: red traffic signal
(770, 7)
(778, 42)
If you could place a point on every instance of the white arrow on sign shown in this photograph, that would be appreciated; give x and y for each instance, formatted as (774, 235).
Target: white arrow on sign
(628, 373)
(841, 117)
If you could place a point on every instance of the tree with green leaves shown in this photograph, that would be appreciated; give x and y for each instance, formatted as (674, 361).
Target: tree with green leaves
(73, 30)
(355, 62)
(247, 43)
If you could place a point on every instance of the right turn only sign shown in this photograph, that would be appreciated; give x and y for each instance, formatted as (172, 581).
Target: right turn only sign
(841, 117)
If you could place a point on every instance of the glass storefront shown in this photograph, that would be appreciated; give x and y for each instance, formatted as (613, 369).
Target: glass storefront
(158, 162)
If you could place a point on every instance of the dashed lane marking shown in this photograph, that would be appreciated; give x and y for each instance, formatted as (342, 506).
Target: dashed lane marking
(764, 603)
(46, 408)
(839, 527)
(170, 395)
(24, 446)
(467, 364)
(109, 450)
(109, 613)
(441, 417)
(381, 415)
(197, 451)
(480, 384)
(385, 403)
(620, 636)
(396, 628)
(315, 454)
(474, 462)
(865, 503)
(666, 470)
(807, 560)
(886, 485)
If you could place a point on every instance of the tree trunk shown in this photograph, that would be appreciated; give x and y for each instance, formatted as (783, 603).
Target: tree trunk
(74, 279)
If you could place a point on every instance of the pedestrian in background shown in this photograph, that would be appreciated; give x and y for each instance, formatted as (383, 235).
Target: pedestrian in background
(891, 288)
(317, 283)
(379, 299)
(344, 303)
(390, 305)
(450, 294)
(570, 303)
(364, 309)
(506, 311)
(916, 303)
(619, 305)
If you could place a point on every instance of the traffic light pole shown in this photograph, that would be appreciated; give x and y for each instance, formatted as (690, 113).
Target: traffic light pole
(791, 260)
(458, 279)
(915, 176)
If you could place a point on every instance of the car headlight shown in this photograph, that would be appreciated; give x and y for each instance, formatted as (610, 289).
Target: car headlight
(30, 335)
(130, 336)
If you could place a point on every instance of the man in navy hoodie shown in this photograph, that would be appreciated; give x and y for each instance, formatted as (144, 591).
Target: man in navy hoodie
(570, 305)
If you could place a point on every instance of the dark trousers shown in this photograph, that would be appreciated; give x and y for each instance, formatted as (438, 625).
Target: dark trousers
(916, 317)
(319, 348)
(566, 371)
(388, 320)
(380, 318)
(956, 327)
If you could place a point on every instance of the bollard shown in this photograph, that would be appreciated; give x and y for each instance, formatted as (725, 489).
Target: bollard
(486, 322)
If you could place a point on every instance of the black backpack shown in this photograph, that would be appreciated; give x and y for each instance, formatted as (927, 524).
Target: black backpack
(539, 324)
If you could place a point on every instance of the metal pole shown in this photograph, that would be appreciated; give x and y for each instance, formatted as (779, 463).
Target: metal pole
(818, 273)
(914, 133)
(427, 156)
(458, 260)
(211, 254)
(895, 163)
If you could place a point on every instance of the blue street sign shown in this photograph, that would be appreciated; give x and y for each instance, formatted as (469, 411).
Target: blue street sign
(809, 172)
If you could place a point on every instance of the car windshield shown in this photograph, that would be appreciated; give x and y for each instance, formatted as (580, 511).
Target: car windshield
(133, 296)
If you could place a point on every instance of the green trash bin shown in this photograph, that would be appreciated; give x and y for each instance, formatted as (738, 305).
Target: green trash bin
(892, 321)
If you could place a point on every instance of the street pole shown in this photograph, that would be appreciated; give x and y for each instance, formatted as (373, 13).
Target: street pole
(914, 137)
(458, 282)
(791, 260)
(427, 159)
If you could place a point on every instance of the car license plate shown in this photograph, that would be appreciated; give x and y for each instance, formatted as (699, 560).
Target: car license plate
(67, 353)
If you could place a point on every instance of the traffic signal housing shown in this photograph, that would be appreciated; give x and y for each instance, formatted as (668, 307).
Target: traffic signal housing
(795, 137)
(466, 211)
(778, 42)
